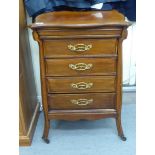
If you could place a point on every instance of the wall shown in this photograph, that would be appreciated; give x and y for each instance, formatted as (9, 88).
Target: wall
(35, 60)
(129, 58)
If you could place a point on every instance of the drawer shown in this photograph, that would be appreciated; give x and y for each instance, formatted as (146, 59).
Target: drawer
(81, 101)
(80, 66)
(79, 47)
(81, 84)
(44, 33)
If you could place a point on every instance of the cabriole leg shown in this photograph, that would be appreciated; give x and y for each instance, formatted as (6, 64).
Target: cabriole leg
(119, 128)
(46, 131)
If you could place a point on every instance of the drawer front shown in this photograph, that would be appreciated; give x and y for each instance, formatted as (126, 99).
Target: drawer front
(82, 101)
(80, 66)
(81, 84)
(79, 47)
(43, 33)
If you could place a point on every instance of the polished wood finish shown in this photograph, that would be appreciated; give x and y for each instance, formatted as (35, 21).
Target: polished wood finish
(93, 19)
(28, 106)
(63, 85)
(81, 65)
(99, 101)
(46, 33)
(98, 66)
(52, 48)
(73, 115)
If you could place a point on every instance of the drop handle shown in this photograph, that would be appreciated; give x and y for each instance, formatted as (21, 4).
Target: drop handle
(80, 66)
(79, 47)
(82, 85)
(82, 102)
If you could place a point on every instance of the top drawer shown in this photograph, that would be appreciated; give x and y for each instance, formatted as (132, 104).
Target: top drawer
(79, 48)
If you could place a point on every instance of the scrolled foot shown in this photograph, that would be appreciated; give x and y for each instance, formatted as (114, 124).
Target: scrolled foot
(46, 140)
(123, 138)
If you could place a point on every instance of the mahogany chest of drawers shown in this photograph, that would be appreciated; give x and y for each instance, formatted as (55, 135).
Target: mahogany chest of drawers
(81, 65)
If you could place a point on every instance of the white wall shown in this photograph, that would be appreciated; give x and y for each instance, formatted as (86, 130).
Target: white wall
(129, 63)
(35, 60)
(129, 57)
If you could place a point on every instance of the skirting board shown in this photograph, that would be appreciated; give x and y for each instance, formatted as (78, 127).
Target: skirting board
(26, 140)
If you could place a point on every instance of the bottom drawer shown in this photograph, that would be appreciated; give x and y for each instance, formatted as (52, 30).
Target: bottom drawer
(82, 101)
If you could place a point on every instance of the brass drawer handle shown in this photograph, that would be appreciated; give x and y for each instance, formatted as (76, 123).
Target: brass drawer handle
(79, 47)
(81, 85)
(82, 102)
(80, 66)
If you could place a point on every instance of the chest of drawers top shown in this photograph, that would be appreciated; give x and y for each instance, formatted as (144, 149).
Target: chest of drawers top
(87, 24)
(65, 19)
